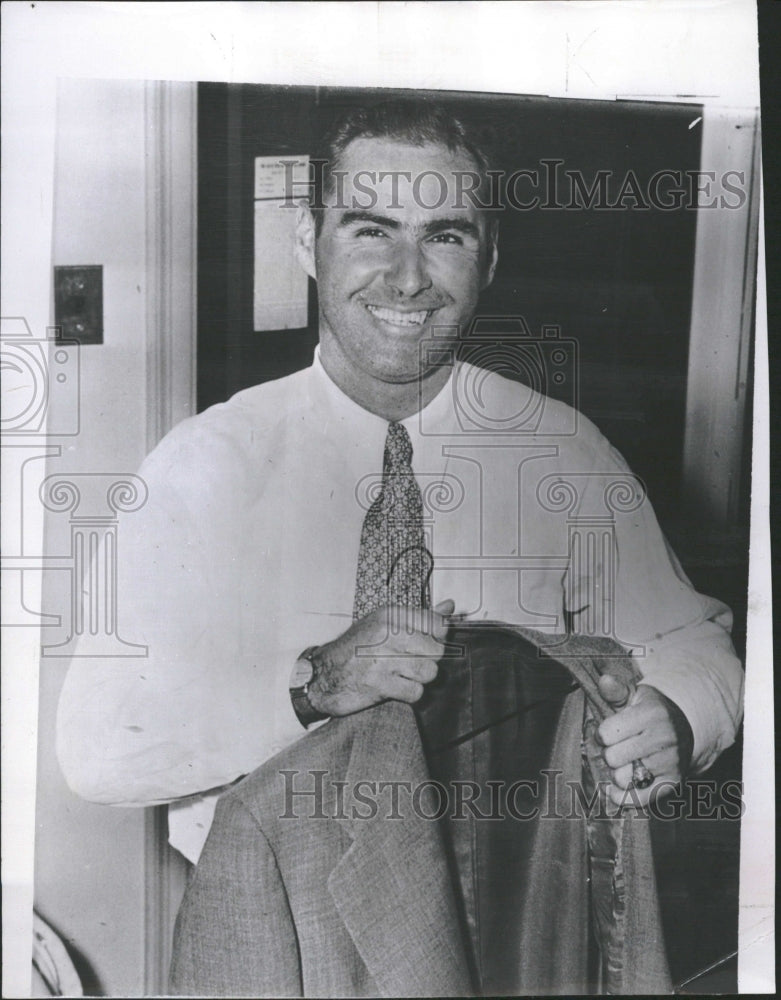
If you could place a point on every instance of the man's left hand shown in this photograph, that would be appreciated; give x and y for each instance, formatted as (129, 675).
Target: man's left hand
(647, 727)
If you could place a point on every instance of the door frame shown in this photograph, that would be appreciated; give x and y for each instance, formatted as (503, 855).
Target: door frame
(171, 183)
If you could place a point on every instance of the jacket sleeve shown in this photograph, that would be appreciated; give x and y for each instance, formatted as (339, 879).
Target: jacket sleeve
(234, 935)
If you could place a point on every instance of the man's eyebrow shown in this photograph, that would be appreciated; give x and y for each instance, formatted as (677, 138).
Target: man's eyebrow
(375, 220)
(457, 223)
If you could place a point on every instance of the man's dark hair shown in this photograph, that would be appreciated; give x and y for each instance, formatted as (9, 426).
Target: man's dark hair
(417, 122)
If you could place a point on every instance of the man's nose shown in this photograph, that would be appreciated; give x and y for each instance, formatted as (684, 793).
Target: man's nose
(407, 272)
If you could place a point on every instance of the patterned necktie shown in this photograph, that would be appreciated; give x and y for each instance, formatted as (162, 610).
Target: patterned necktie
(393, 563)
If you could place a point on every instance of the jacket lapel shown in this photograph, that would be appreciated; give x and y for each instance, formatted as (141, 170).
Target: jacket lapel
(392, 887)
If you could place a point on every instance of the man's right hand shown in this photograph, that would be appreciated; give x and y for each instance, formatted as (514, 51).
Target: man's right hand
(389, 655)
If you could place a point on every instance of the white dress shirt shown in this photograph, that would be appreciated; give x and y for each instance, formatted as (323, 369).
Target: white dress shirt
(245, 553)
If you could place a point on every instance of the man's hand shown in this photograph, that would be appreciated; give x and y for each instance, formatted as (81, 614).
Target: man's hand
(650, 728)
(389, 655)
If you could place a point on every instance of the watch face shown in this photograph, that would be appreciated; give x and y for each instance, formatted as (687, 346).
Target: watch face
(302, 673)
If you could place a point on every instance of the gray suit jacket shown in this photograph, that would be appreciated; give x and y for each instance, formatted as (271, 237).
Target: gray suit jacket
(345, 891)
(290, 899)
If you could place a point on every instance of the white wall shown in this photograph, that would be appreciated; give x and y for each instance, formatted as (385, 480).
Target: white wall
(90, 859)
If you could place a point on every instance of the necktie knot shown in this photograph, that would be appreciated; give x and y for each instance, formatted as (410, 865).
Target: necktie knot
(398, 449)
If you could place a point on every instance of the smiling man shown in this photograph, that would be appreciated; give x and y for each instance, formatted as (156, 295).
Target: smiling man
(260, 572)
(410, 267)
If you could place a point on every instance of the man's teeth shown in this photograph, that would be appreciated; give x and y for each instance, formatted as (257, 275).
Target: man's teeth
(400, 318)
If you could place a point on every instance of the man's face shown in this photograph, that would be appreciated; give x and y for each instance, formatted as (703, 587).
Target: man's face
(400, 252)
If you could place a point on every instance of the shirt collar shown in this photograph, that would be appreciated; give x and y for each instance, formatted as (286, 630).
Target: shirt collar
(437, 415)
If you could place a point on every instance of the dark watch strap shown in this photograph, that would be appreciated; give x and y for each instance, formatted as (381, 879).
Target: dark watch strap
(299, 696)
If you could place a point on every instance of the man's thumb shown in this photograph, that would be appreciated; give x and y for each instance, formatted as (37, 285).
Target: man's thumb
(613, 690)
(446, 607)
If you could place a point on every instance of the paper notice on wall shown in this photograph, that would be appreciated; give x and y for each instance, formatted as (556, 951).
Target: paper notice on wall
(280, 286)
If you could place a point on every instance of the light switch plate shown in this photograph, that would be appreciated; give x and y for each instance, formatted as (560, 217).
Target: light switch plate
(78, 303)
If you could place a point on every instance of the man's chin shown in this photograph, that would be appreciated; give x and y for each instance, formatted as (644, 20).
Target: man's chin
(406, 376)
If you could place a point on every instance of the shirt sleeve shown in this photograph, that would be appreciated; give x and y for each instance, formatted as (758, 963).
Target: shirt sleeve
(208, 702)
(678, 637)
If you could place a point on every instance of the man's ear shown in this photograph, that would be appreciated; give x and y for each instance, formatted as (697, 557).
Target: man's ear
(492, 255)
(305, 240)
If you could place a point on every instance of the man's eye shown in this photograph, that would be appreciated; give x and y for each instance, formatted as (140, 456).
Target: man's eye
(452, 238)
(371, 232)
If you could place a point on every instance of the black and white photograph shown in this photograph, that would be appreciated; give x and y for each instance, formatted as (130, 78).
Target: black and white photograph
(386, 586)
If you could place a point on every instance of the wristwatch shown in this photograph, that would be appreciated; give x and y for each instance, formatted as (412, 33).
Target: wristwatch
(302, 677)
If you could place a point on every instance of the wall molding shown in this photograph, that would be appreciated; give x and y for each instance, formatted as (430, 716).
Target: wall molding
(723, 296)
(170, 111)
(171, 123)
